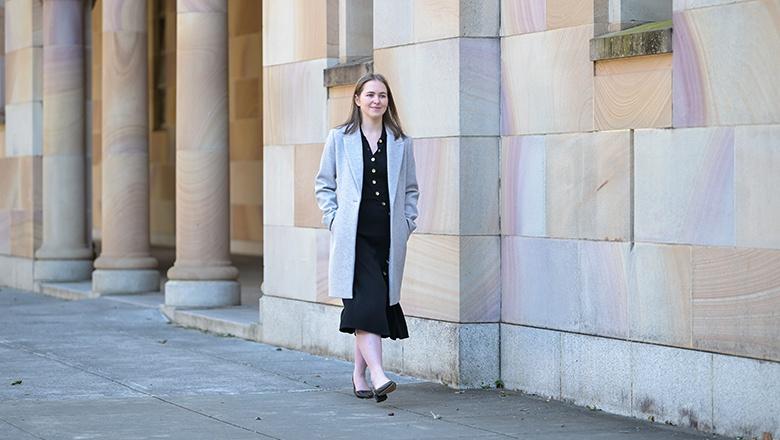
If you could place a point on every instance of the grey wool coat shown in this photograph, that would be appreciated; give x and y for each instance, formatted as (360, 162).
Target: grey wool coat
(338, 188)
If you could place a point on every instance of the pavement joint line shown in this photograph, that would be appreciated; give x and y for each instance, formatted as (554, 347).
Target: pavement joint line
(241, 363)
(454, 422)
(345, 391)
(55, 358)
(190, 350)
(342, 391)
(141, 333)
(225, 359)
(292, 378)
(21, 429)
(253, 366)
(131, 335)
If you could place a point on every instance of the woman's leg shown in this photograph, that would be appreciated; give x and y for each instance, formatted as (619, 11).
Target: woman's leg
(359, 373)
(370, 346)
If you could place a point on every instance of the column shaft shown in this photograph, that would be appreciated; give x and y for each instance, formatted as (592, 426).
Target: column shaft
(203, 275)
(64, 254)
(125, 264)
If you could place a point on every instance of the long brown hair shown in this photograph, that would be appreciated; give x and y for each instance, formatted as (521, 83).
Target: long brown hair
(390, 118)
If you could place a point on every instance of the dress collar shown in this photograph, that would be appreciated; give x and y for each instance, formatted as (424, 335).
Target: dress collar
(382, 140)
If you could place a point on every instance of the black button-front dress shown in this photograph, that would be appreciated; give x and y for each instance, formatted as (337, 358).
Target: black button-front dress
(369, 309)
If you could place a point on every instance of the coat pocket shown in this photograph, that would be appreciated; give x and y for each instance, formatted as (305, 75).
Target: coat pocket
(409, 229)
(410, 226)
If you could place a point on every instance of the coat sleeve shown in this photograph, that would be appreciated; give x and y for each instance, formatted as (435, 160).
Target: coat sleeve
(325, 182)
(412, 190)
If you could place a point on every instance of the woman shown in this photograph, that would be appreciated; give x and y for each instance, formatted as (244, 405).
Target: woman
(367, 191)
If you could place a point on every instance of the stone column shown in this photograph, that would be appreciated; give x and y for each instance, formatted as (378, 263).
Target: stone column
(64, 254)
(203, 275)
(125, 264)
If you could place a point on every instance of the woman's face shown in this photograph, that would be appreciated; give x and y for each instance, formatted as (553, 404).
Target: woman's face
(372, 100)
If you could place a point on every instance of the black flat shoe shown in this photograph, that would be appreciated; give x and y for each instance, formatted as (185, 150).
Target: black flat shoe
(362, 394)
(380, 394)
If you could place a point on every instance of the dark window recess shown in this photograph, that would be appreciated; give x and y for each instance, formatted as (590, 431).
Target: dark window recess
(159, 73)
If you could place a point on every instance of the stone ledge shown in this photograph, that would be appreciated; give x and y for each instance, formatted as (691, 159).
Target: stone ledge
(347, 74)
(70, 291)
(238, 321)
(647, 39)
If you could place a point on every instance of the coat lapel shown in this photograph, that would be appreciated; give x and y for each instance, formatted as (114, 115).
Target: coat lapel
(395, 155)
(354, 146)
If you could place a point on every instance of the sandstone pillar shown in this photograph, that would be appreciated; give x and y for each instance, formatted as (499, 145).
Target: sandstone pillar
(203, 275)
(125, 264)
(64, 254)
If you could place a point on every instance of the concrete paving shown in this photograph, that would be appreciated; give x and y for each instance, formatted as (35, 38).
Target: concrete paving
(108, 369)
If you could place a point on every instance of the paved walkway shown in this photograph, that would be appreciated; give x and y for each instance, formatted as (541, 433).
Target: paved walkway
(103, 369)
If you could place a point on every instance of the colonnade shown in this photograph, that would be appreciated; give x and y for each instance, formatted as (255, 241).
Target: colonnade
(202, 275)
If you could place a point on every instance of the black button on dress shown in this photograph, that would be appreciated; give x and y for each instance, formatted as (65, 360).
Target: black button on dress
(370, 309)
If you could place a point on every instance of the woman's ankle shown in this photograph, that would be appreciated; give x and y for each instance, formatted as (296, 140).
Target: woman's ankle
(379, 379)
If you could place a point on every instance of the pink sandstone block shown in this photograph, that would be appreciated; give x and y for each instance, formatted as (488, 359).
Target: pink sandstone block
(659, 300)
(540, 282)
(480, 281)
(726, 81)
(684, 186)
(554, 92)
(438, 176)
(523, 16)
(604, 298)
(757, 178)
(523, 186)
(736, 301)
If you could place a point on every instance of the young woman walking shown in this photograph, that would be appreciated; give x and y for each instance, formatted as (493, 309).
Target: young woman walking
(367, 190)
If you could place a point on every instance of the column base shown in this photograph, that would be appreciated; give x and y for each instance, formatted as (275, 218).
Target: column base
(113, 282)
(62, 270)
(202, 294)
